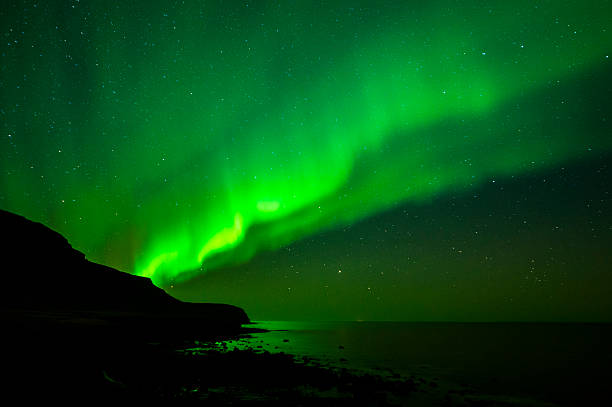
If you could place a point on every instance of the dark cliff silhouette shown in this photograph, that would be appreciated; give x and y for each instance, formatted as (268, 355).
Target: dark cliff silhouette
(41, 271)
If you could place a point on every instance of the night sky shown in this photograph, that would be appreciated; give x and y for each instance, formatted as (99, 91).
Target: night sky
(386, 160)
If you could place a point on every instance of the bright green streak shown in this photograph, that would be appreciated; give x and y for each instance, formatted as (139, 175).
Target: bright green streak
(157, 262)
(167, 142)
(224, 239)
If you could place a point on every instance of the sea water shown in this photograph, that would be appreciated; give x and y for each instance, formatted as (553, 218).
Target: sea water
(564, 364)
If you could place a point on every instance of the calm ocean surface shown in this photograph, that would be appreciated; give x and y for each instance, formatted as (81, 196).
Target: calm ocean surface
(566, 364)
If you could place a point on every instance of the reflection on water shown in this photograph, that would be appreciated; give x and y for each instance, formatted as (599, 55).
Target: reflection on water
(557, 362)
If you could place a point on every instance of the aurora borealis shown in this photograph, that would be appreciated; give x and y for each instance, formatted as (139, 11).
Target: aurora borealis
(179, 140)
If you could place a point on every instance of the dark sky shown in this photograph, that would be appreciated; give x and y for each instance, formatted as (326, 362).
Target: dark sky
(441, 160)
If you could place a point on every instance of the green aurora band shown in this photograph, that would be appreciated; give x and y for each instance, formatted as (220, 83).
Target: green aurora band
(169, 141)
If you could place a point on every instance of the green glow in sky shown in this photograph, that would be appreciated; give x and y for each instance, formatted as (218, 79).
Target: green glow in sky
(169, 141)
